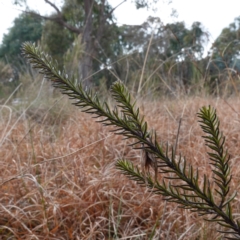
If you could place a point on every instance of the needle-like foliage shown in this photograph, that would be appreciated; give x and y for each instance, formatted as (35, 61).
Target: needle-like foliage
(180, 181)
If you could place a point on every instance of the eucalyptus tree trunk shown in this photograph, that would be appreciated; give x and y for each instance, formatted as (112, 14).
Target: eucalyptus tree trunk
(91, 34)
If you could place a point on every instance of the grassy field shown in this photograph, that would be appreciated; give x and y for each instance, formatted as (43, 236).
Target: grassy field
(59, 180)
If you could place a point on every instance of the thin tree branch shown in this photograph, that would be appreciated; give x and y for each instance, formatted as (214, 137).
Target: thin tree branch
(58, 19)
(54, 6)
(117, 6)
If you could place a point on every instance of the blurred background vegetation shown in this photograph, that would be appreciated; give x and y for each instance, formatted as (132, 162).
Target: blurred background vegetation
(151, 58)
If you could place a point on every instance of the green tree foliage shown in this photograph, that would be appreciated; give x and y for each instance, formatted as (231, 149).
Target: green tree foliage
(104, 43)
(105, 34)
(226, 48)
(94, 20)
(145, 3)
(171, 40)
(56, 40)
(224, 61)
(185, 42)
(105, 38)
(170, 48)
(25, 28)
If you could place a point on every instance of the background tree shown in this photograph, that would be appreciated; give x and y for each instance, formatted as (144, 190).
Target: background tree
(186, 42)
(56, 40)
(226, 48)
(25, 28)
(93, 17)
(173, 49)
(104, 42)
(224, 62)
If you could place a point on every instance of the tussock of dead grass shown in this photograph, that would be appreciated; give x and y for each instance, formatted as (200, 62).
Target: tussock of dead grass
(60, 182)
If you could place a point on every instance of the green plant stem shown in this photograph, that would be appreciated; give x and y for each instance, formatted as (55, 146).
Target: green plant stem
(129, 124)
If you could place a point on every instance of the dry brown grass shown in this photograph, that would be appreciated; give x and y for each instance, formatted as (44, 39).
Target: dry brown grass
(59, 181)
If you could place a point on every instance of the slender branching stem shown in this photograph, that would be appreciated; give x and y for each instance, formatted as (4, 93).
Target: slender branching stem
(180, 181)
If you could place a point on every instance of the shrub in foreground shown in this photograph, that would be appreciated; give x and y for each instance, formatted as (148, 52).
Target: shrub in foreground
(179, 180)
